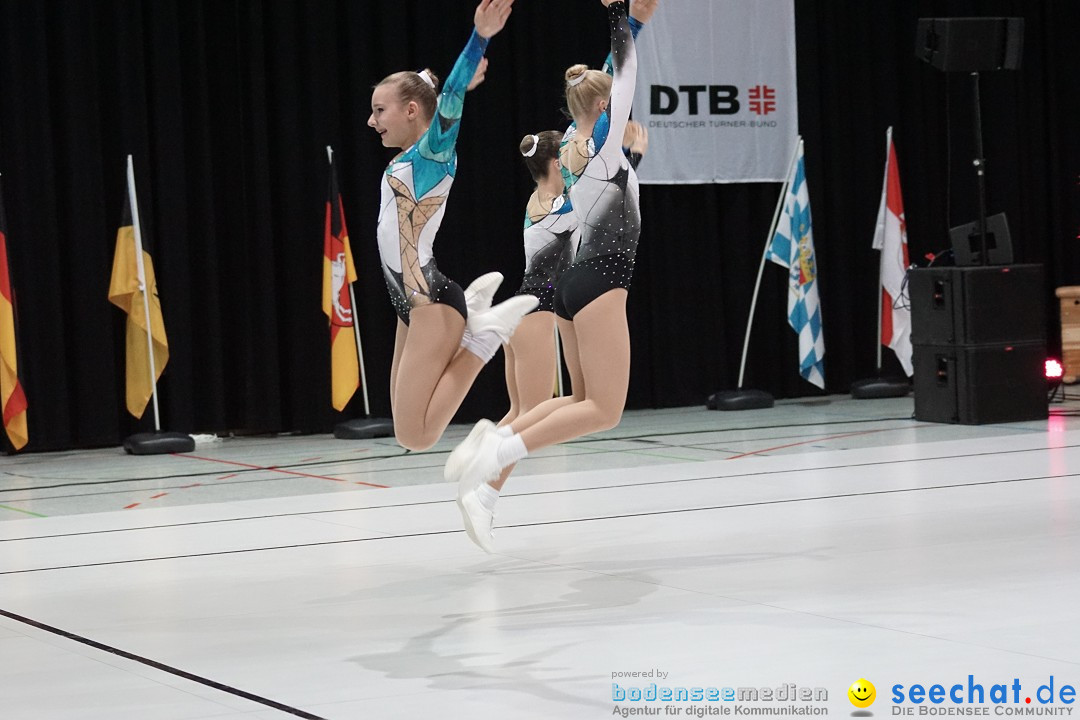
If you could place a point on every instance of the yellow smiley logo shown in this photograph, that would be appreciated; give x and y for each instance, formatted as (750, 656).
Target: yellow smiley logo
(862, 693)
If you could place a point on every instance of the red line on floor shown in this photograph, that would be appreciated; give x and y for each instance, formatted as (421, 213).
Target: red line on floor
(807, 442)
(275, 469)
(155, 497)
(226, 477)
(128, 507)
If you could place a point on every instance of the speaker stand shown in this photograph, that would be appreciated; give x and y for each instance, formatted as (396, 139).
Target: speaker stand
(158, 443)
(980, 169)
(740, 400)
(364, 429)
(880, 387)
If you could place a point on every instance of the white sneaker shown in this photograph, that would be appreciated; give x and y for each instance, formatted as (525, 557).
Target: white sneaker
(480, 292)
(478, 520)
(460, 455)
(503, 319)
(479, 463)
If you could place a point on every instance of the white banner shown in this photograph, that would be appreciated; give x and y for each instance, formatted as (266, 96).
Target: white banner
(716, 90)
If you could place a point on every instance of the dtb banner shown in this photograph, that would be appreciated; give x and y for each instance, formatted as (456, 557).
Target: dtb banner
(716, 90)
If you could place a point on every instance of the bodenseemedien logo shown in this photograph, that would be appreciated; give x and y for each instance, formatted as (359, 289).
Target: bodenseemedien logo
(786, 700)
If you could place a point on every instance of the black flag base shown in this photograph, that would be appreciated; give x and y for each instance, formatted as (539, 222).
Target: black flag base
(880, 387)
(158, 443)
(364, 429)
(739, 400)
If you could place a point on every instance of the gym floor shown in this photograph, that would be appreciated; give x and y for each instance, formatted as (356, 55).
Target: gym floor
(797, 549)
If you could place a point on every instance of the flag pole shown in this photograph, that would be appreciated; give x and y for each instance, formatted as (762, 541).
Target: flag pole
(764, 256)
(879, 387)
(366, 427)
(558, 363)
(740, 399)
(359, 352)
(134, 201)
(881, 228)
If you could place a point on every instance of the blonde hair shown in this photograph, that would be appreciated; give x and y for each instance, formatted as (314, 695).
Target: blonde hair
(584, 87)
(412, 87)
(539, 150)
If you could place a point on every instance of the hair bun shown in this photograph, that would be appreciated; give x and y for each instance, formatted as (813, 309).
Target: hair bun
(430, 79)
(528, 145)
(575, 74)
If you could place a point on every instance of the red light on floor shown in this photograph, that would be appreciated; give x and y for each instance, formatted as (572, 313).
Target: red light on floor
(1054, 371)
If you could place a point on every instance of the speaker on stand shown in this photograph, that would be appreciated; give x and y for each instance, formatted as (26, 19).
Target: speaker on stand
(977, 330)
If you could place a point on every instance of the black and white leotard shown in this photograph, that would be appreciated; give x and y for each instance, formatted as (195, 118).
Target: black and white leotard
(415, 187)
(605, 195)
(551, 235)
(551, 239)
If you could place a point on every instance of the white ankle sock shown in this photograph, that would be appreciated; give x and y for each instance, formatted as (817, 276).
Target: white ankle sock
(483, 345)
(504, 431)
(487, 496)
(511, 450)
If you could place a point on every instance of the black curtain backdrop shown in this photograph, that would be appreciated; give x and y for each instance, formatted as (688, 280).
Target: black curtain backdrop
(227, 107)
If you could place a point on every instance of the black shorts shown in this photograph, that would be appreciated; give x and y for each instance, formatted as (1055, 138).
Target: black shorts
(545, 294)
(444, 291)
(585, 281)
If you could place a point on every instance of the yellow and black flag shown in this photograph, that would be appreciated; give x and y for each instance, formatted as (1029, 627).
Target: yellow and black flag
(338, 274)
(133, 289)
(12, 397)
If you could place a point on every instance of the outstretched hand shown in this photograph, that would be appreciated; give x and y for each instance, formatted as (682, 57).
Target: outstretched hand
(491, 16)
(478, 76)
(636, 138)
(642, 10)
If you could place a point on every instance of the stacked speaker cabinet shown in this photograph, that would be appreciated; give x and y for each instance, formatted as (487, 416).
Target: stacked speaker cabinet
(979, 342)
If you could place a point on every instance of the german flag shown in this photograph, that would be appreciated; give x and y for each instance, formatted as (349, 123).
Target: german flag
(126, 292)
(338, 273)
(12, 397)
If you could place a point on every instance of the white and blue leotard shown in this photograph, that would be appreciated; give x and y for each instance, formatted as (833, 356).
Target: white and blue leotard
(415, 187)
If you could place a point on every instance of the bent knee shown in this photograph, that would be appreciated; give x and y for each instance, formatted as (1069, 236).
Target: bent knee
(608, 418)
(415, 440)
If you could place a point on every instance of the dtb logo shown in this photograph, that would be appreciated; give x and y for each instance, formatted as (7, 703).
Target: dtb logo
(718, 99)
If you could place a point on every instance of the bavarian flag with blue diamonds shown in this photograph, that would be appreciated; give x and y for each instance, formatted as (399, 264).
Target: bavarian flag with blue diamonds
(793, 247)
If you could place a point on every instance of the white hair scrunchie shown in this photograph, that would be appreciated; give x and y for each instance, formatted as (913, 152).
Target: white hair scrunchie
(426, 78)
(576, 80)
(532, 150)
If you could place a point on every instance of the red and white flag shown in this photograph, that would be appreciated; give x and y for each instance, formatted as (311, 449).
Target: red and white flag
(890, 237)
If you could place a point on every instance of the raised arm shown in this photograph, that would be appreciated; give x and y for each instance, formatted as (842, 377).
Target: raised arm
(644, 9)
(438, 143)
(624, 66)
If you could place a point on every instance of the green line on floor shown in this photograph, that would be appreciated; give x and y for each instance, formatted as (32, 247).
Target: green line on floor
(8, 507)
(660, 455)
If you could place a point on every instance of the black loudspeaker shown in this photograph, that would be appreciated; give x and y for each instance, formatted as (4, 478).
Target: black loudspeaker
(967, 242)
(970, 44)
(979, 341)
(978, 384)
(977, 305)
